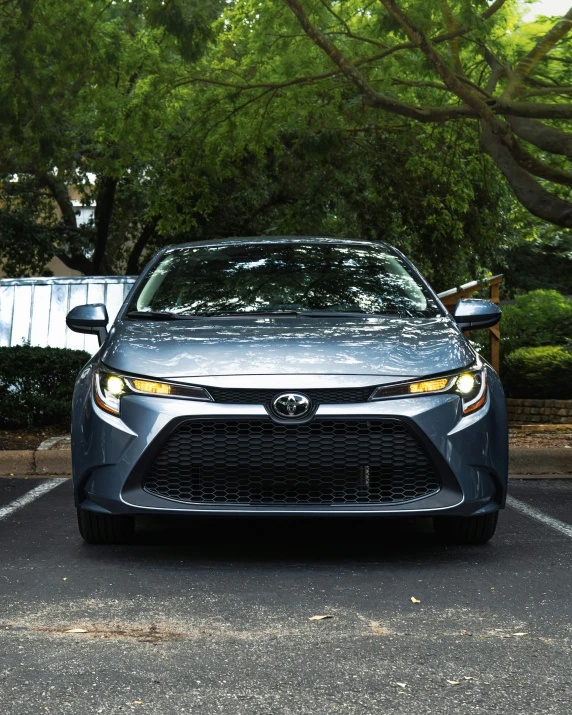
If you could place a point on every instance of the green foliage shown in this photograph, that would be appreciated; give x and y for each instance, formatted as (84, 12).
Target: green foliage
(36, 385)
(540, 258)
(539, 372)
(201, 118)
(542, 317)
(82, 91)
(440, 211)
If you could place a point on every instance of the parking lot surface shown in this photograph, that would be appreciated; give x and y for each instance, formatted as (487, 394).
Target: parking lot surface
(213, 617)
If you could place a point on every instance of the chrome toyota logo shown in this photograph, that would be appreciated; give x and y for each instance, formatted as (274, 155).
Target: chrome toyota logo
(291, 404)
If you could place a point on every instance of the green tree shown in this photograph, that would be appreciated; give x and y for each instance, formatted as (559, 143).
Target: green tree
(426, 61)
(79, 110)
(185, 119)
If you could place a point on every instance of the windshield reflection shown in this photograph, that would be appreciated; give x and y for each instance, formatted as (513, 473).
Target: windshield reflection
(283, 277)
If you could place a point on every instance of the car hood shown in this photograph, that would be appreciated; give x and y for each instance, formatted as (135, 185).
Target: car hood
(280, 346)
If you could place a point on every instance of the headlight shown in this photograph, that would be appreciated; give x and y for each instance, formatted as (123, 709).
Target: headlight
(471, 385)
(110, 387)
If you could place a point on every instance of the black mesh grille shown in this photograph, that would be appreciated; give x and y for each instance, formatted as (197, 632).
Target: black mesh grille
(320, 396)
(321, 462)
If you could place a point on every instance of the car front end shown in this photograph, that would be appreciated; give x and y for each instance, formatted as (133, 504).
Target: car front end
(288, 415)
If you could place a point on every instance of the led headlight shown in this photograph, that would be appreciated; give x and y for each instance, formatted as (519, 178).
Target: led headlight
(466, 383)
(470, 385)
(109, 388)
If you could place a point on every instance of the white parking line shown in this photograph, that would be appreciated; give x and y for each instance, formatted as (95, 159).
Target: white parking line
(30, 496)
(550, 521)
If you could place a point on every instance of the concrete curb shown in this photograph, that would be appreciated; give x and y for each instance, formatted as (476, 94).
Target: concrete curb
(57, 461)
(16, 461)
(548, 462)
(540, 460)
(29, 462)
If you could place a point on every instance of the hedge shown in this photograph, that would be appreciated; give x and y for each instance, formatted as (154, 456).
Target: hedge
(539, 372)
(541, 317)
(36, 385)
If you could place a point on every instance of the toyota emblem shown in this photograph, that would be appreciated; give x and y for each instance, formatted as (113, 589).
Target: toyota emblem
(291, 404)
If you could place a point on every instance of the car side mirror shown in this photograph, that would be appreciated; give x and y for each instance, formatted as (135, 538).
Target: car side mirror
(91, 319)
(474, 314)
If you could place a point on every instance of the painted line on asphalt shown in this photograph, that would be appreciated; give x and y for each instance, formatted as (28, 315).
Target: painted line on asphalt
(30, 496)
(556, 524)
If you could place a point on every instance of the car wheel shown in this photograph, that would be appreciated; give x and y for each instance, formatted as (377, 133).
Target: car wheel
(98, 528)
(466, 529)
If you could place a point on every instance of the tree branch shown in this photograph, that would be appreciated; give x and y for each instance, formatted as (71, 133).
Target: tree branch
(552, 140)
(495, 7)
(348, 31)
(545, 91)
(464, 92)
(538, 52)
(451, 26)
(76, 261)
(529, 192)
(359, 62)
(59, 190)
(538, 168)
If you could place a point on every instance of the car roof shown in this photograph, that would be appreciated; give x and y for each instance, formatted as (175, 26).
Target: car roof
(245, 240)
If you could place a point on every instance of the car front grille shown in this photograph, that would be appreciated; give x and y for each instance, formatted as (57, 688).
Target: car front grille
(323, 462)
(320, 396)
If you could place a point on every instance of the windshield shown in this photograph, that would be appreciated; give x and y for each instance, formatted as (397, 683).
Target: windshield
(283, 277)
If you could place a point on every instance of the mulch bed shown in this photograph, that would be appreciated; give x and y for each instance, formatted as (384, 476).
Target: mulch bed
(29, 438)
(522, 438)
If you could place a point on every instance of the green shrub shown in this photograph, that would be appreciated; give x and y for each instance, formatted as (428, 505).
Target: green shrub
(36, 385)
(541, 372)
(542, 317)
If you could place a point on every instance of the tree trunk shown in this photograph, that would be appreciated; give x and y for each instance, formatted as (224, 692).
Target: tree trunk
(133, 261)
(105, 198)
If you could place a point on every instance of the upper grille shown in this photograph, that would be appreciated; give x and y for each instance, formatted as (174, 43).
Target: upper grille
(322, 462)
(320, 396)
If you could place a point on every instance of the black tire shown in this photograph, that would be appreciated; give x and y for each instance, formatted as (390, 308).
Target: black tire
(97, 528)
(466, 529)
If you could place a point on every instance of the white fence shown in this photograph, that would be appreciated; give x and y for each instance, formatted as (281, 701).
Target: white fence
(33, 310)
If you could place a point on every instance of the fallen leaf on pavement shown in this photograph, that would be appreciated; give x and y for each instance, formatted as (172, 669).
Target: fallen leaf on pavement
(319, 618)
(415, 600)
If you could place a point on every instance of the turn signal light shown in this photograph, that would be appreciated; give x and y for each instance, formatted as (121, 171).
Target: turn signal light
(429, 385)
(155, 388)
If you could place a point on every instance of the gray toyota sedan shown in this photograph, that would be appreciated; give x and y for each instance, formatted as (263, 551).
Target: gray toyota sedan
(287, 376)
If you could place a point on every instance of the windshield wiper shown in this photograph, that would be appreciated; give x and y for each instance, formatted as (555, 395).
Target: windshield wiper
(158, 315)
(334, 314)
(251, 314)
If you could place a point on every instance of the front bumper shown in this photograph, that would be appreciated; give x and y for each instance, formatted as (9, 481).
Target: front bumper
(110, 454)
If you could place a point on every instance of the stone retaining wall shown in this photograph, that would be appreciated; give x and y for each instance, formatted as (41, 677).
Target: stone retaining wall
(545, 411)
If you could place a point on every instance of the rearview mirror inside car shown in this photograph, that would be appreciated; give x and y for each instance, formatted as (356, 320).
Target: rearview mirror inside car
(474, 314)
(91, 319)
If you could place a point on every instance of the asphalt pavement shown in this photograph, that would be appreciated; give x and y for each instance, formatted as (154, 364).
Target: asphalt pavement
(213, 616)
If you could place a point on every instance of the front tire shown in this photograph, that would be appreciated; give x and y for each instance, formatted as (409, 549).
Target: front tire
(97, 528)
(469, 530)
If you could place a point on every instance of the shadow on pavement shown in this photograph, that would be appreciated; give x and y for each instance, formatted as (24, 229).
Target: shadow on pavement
(308, 541)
